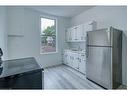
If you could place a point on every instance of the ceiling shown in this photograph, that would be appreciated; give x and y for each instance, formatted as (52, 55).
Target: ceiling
(65, 11)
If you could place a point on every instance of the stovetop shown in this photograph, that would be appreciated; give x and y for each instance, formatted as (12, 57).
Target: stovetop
(18, 66)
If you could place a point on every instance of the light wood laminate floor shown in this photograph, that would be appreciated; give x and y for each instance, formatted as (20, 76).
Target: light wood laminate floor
(64, 77)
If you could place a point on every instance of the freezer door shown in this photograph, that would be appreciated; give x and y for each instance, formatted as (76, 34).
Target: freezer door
(98, 66)
(100, 37)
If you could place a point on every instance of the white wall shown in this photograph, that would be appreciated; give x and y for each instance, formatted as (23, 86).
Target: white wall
(108, 16)
(3, 36)
(29, 44)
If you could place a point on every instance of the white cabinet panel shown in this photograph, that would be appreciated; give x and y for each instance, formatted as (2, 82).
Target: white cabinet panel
(71, 60)
(73, 34)
(75, 60)
(65, 57)
(82, 63)
(68, 58)
(68, 34)
(78, 33)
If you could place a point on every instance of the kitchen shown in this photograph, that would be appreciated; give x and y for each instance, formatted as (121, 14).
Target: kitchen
(21, 39)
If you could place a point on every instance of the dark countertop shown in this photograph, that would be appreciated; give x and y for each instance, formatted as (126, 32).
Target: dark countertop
(18, 66)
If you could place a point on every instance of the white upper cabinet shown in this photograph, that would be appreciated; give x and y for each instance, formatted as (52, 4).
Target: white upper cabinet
(78, 33)
(15, 17)
(68, 34)
(73, 34)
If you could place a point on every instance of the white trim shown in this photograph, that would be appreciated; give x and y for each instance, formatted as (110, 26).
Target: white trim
(49, 53)
(52, 18)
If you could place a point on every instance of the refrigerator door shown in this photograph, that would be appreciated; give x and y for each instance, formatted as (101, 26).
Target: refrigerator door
(100, 37)
(99, 65)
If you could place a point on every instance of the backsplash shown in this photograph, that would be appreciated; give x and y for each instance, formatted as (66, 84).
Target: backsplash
(77, 46)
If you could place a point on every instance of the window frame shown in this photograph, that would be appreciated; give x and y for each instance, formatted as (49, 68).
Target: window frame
(55, 19)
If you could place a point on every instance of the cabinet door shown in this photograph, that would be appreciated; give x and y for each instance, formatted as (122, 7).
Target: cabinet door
(76, 61)
(82, 63)
(71, 60)
(68, 58)
(68, 35)
(79, 31)
(86, 27)
(73, 34)
(65, 57)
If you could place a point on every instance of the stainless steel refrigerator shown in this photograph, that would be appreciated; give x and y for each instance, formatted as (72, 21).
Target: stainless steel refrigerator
(104, 57)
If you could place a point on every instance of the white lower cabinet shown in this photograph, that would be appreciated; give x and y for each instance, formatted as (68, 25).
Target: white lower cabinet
(65, 58)
(71, 60)
(82, 63)
(75, 60)
(68, 58)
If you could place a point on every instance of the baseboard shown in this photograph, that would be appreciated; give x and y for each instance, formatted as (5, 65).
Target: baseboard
(54, 65)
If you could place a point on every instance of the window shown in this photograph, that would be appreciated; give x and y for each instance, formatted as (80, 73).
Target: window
(48, 35)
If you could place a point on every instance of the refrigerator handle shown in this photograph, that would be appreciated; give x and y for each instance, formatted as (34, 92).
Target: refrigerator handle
(87, 51)
(87, 48)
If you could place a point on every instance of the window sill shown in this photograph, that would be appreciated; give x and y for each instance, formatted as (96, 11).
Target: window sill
(49, 53)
